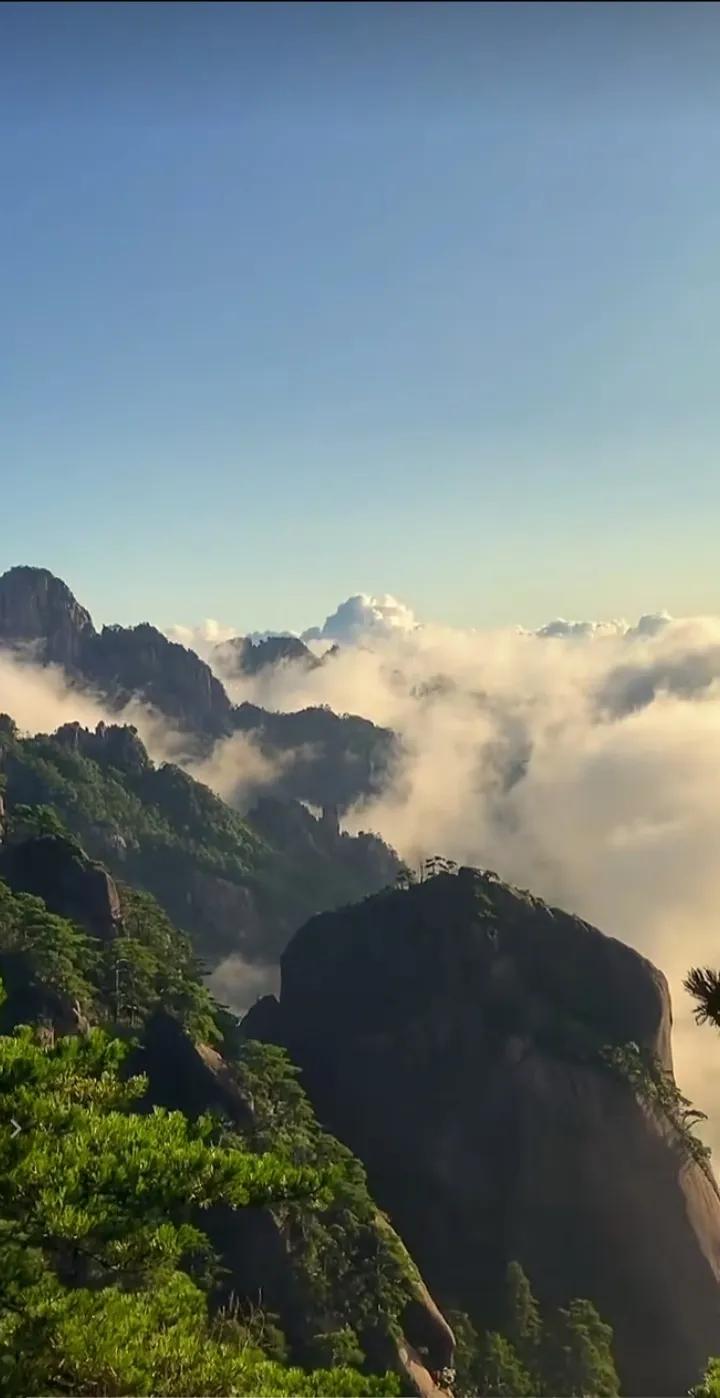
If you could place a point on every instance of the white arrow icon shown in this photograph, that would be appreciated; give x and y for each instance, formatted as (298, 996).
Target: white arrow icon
(17, 1126)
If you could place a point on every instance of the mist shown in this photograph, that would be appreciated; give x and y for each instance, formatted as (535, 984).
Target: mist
(580, 761)
(238, 983)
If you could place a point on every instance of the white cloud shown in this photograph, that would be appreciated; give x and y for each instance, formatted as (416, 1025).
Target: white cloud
(584, 766)
(201, 638)
(582, 629)
(581, 762)
(648, 625)
(362, 618)
(237, 769)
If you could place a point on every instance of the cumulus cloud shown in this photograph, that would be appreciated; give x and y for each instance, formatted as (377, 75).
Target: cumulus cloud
(582, 629)
(648, 625)
(357, 619)
(363, 618)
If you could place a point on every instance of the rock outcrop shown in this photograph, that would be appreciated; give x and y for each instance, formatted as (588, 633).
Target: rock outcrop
(38, 610)
(453, 1036)
(58, 871)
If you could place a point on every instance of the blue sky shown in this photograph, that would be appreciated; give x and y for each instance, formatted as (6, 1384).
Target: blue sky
(300, 300)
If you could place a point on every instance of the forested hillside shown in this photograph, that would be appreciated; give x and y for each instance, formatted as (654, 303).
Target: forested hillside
(234, 884)
(129, 1224)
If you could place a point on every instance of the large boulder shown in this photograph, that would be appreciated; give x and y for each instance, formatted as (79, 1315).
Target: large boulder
(454, 1036)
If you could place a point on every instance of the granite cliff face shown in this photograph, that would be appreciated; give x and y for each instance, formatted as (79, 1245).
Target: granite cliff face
(38, 610)
(257, 1247)
(454, 1036)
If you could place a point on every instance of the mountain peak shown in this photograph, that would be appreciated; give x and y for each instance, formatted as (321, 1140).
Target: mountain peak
(39, 610)
(244, 656)
(467, 1027)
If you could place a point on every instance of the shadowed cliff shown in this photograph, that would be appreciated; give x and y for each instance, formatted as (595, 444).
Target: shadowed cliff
(468, 1043)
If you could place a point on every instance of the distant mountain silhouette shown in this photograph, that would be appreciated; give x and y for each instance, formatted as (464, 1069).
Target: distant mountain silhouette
(325, 758)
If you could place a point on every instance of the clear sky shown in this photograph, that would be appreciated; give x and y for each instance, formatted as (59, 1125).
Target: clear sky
(301, 300)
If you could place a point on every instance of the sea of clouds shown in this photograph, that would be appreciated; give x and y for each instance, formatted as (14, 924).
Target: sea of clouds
(581, 760)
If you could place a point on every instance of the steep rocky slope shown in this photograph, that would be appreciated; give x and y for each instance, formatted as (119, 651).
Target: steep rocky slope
(39, 610)
(469, 1044)
(333, 1271)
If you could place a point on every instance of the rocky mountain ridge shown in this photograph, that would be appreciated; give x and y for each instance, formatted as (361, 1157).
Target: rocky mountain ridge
(243, 656)
(236, 885)
(321, 757)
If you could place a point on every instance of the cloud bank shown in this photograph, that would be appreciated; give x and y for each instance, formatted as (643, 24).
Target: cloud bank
(581, 760)
(361, 618)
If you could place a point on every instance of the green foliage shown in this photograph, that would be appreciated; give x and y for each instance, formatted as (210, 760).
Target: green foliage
(703, 983)
(339, 1348)
(501, 1371)
(657, 1089)
(709, 1387)
(148, 964)
(351, 1268)
(486, 1364)
(143, 807)
(103, 1265)
(31, 822)
(467, 1351)
(151, 964)
(578, 1353)
(45, 954)
(522, 1323)
(567, 1354)
(158, 828)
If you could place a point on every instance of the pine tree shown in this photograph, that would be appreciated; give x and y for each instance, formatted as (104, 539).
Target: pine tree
(578, 1354)
(522, 1324)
